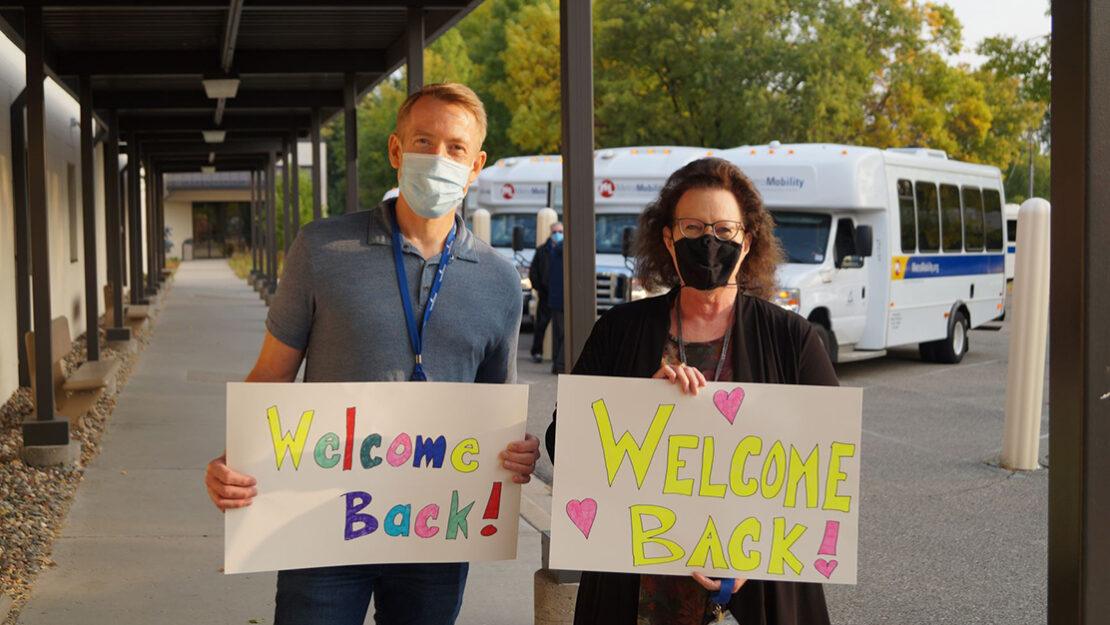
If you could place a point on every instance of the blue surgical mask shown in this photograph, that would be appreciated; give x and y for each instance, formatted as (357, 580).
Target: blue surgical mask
(556, 237)
(432, 185)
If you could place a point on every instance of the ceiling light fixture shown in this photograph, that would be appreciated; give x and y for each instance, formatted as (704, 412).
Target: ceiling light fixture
(214, 136)
(207, 169)
(222, 87)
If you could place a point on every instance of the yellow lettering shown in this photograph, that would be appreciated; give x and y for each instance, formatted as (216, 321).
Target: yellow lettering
(775, 458)
(748, 446)
(744, 560)
(293, 444)
(671, 484)
(707, 488)
(834, 476)
(798, 470)
(709, 546)
(465, 447)
(640, 536)
(780, 547)
(638, 455)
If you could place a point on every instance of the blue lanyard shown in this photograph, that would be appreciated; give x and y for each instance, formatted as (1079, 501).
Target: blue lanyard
(416, 335)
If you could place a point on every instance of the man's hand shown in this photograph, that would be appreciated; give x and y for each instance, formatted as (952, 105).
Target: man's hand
(228, 489)
(520, 457)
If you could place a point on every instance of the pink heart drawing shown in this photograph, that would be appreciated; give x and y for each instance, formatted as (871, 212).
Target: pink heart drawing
(728, 402)
(582, 514)
(825, 567)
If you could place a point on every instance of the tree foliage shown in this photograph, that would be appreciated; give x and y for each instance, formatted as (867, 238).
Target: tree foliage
(722, 73)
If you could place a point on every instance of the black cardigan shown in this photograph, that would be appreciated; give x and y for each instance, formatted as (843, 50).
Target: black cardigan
(769, 345)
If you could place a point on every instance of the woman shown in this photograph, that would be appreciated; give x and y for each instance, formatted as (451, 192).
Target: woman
(710, 241)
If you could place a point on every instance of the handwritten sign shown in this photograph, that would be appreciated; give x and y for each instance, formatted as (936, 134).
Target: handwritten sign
(376, 472)
(757, 481)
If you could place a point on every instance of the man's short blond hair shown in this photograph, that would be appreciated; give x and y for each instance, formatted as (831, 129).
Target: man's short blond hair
(450, 92)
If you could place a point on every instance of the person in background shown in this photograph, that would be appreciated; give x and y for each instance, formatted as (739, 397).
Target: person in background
(355, 304)
(555, 303)
(538, 276)
(708, 239)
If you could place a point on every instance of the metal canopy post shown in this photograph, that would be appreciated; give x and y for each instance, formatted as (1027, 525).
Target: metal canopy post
(44, 429)
(160, 233)
(113, 208)
(88, 202)
(287, 218)
(317, 189)
(22, 235)
(271, 224)
(350, 131)
(151, 224)
(254, 225)
(295, 186)
(134, 221)
(414, 47)
(576, 54)
(1079, 352)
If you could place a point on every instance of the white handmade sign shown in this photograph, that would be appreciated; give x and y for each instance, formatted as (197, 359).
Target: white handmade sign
(755, 481)
(375, 472)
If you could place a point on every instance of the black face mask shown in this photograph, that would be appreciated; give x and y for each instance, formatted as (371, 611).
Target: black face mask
(706, 263)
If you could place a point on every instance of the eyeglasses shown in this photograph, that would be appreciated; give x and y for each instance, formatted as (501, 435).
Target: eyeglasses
(724, 230)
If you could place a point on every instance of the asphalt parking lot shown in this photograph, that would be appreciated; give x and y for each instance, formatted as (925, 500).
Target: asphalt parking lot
(946, 536)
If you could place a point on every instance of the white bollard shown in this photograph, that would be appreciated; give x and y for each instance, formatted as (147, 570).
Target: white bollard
(479, 224)
(544, 218)
(1028, 338)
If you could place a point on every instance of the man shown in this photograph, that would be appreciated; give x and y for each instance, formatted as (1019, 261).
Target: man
(345, 308)
(555, 305)
(538, 276)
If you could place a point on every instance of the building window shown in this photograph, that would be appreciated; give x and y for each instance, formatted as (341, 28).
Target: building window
(71, 196)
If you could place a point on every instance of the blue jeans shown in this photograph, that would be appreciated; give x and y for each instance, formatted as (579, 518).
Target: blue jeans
(404, 594)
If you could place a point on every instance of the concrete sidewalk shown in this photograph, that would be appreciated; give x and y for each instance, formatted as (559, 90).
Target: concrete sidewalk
(142, 543)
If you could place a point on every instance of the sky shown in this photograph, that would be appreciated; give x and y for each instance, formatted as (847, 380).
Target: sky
(985, 18)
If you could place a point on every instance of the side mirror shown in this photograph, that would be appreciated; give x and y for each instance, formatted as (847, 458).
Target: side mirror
(518, 238)
(626, 241)
(864, 240)
(851, 262)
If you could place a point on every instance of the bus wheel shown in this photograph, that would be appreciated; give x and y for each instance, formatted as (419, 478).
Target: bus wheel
(828, 337)
(951, 350)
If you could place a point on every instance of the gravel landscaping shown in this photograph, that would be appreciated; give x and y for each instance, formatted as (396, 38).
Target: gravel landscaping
(34, 501)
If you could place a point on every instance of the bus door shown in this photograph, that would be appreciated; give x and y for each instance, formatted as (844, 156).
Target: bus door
(849, 312)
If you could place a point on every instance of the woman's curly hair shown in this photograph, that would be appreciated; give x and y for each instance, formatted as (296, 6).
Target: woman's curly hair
(654, 267)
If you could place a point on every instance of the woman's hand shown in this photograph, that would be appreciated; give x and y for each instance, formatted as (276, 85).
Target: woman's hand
(689, 379)
(713, 585)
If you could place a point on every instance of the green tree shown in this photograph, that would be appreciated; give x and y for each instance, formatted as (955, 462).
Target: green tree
(531, 90)
(304, 192)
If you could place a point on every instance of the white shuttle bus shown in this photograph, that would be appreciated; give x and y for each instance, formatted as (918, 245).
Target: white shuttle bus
(884, 247)
(1010, 212)
(625, 180)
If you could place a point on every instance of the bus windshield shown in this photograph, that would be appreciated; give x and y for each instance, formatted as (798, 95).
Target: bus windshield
(610, 231)
(804, 236)
(501, 228)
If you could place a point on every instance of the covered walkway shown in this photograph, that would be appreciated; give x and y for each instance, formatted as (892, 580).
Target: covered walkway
(142, 543)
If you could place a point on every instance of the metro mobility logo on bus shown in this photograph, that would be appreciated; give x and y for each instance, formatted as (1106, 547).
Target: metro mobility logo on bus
(606, 188)
(784, 183)
(627, 189)
(919, 267)
(507, 191)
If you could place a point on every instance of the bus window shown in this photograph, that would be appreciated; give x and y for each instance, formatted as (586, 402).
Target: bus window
(502, 224)
(907, 217)
(951, 228)
(928, 223)
(1011, 230)
(973, 219)
(992, 220)
(804, 236)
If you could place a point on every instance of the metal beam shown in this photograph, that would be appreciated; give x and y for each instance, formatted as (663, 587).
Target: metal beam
(287, 219)
(22, 234)
(45, 429)
(134, 222)
(88, 202)
(172, 62)
(150, 224)
(271, 226)
(576, 54)
(169, 123)
(294, 185)
(1079, 352)
(214, 5)
(414, 42)
(350, 128)
(317, 179)
(179, 100)
(199, 147)
(113, 241)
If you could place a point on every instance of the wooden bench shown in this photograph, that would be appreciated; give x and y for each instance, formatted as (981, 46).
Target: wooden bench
(73, 396)
(108, 319)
